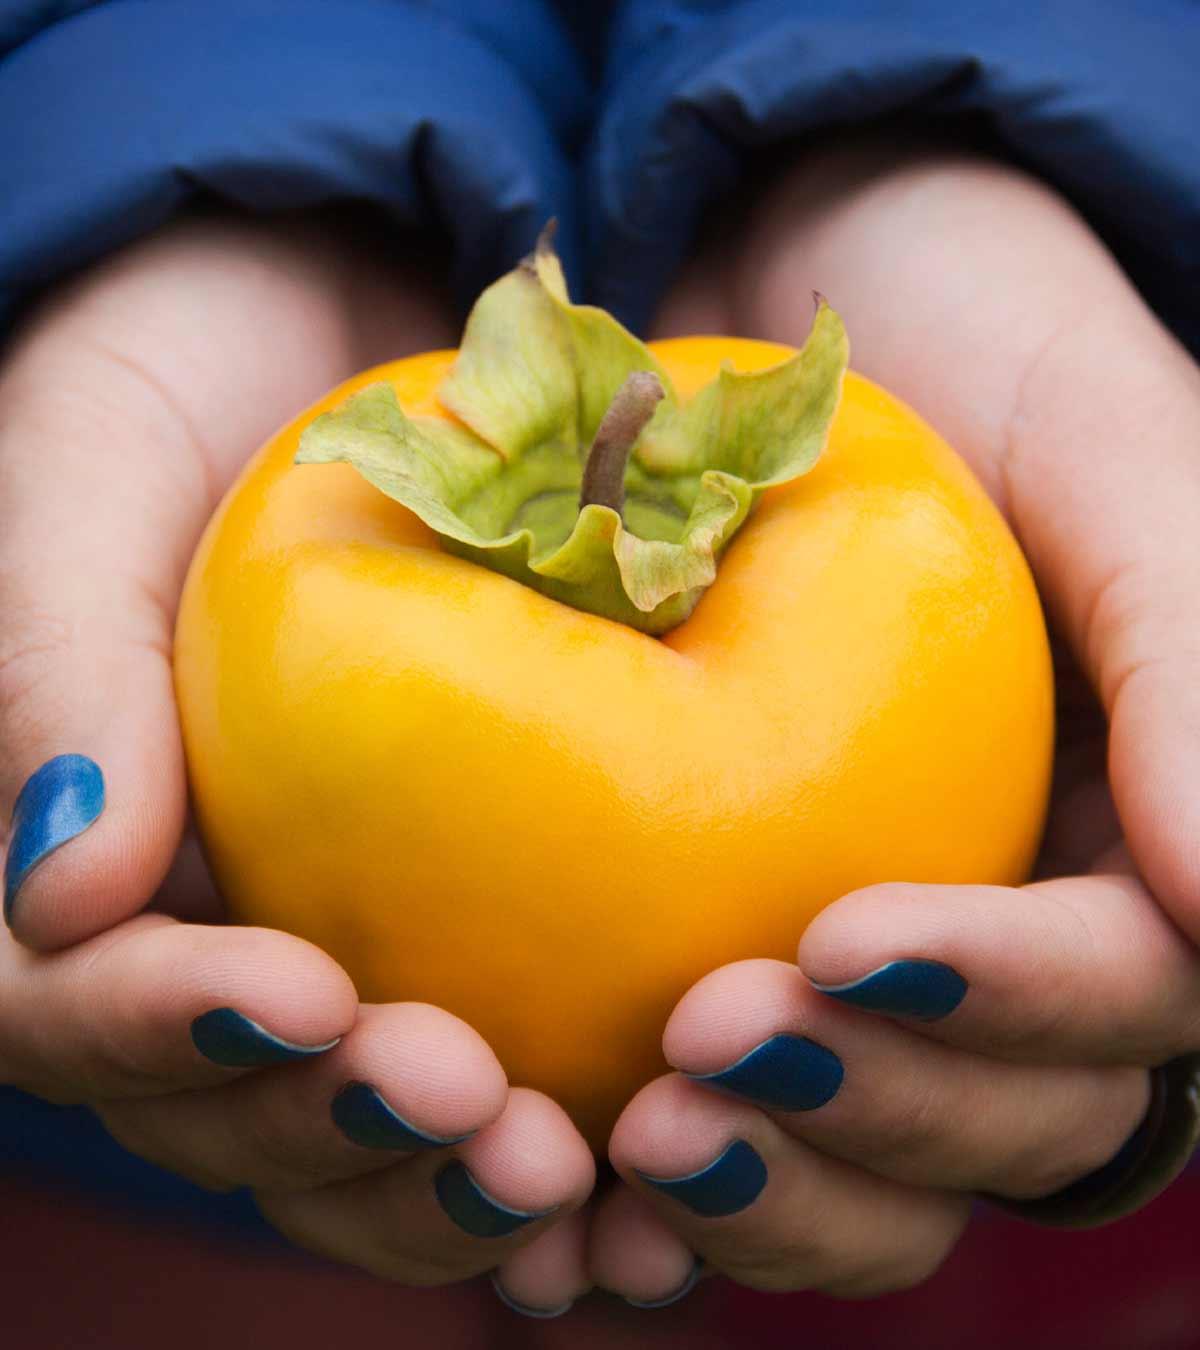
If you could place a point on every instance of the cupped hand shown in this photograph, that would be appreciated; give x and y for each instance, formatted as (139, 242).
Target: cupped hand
(829, 1121)
(383, 1136)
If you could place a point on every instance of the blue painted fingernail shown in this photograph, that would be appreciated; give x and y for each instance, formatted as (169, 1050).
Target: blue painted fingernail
(683, 1291)
(473, 1209)
(545, 1314)
(924, 989)
(227, 1037)
(728, 1184)
(363, 1116)
(59, 801)
(784, 1073)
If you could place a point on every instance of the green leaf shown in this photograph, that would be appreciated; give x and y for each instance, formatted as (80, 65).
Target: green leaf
(766, 426)
(530, 385)
(513, 382)
(428, 465)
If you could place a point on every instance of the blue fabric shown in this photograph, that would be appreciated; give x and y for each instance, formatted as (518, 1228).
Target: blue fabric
(113, 118)
(67, 1145)
(481, 118)
(1102, 100)
(468, 116)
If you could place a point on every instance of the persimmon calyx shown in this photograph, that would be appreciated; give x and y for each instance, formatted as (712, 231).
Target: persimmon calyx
(507, 481)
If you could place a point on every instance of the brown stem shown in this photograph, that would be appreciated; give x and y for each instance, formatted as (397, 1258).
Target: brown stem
(632, 407)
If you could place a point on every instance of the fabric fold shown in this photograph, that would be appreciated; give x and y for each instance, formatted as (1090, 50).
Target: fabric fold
(117, 116)
(1099, 100)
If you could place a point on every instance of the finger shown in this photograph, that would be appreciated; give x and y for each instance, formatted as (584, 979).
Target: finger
(407, 1078)
(432, 1220)
(1073, 970)
(1108, 535)
(636, 1254)
(107, 475)
(877, 1095)
(1031, 351)
(544, 1278)
(154, 1006)
(769, 1211)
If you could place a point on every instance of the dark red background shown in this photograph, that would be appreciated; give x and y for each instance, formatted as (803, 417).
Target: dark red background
(81, 1274)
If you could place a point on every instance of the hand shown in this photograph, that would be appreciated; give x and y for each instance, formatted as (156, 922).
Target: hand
(978, 296)
(127, 403)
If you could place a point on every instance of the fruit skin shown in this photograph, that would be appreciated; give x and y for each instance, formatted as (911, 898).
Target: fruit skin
(552, 825)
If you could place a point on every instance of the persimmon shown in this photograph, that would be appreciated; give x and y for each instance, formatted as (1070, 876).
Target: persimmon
(597, 665)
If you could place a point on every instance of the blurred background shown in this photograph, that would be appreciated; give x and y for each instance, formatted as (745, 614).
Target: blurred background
(81, 1223)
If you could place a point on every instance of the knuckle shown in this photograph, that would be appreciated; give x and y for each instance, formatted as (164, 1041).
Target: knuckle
(114, 1068)
(1041, 1027)
(1037, 1171)
(918, 1125)
(142, 1135)
(912, 1258)
(279, 1156)
(1047, 1023)
(1077, 1138)
(1129, 612)
(31, 639)
(777, 1263)
(122, 1055)
(910, 1135)
(771, 1276)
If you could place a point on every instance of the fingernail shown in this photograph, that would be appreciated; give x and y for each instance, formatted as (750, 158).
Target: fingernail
(683, 1291)
(924, 989)
(473, 1209)
(543, 1313)
(728, 1184)
(363, 1116)
(59, 801)
(785, 1073)
(228, 1038)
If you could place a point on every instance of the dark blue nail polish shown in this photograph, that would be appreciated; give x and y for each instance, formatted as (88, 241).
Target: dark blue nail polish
(924, 989)
(682, 1292)
(545, 1314)
(59, 801)
(363, 1116)
(227, 1037)
(473, 1209)
(784, 1073)
(728, 1184)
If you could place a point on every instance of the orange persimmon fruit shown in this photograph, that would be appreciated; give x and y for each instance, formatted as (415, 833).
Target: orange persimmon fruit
(474, 792)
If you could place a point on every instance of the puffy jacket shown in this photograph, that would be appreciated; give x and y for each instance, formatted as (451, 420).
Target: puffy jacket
(482, 118)
(1100, 97)
(455, 115)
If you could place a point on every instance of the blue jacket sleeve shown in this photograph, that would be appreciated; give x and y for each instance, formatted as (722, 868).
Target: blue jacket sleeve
(458, 115)
(1102, 100)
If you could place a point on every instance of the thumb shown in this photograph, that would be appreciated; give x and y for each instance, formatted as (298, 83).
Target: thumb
(98, 509)
(121, 421)
(1105, 478)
